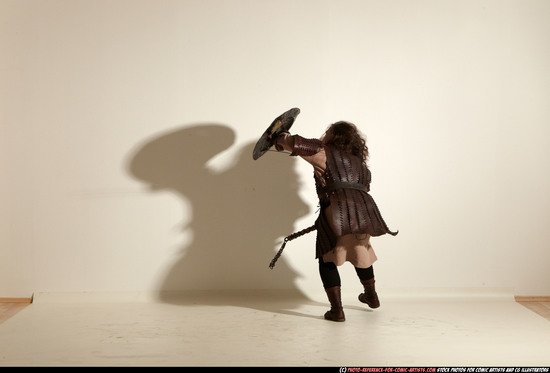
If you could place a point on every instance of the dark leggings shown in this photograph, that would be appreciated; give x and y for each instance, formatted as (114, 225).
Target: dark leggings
(330, 276)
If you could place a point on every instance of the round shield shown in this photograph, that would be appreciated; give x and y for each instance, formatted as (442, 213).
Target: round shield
(281, 124)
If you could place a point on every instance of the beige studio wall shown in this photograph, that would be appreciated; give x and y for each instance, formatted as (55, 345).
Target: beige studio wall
(127, 127)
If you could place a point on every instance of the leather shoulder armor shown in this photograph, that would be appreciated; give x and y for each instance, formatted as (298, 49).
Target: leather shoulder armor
(306, 147)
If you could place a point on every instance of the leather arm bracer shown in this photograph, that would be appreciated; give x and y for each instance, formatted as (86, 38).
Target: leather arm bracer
(306, 147)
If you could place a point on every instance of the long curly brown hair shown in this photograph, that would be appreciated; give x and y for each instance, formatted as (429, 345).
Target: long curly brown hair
(345, 136)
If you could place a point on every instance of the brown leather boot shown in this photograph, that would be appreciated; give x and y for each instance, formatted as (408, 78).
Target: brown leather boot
(336, 312)
(369, 296)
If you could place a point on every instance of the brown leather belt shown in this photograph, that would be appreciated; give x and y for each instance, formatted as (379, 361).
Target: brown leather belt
(344, 185)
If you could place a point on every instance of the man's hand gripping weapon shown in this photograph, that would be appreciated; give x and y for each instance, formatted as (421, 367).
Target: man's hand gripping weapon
(280, 125)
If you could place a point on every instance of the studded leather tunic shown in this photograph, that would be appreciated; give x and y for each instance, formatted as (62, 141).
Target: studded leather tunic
(344, 188)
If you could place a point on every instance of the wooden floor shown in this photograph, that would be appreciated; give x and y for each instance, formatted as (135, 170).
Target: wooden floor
(8, 309)
(539, 305)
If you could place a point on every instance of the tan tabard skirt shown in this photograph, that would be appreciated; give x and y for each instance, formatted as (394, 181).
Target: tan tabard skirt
(353, 248)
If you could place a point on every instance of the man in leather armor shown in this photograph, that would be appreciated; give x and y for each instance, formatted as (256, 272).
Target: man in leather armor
(348, 214)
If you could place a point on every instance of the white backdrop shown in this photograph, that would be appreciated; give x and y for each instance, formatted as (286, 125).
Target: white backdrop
(127, 127)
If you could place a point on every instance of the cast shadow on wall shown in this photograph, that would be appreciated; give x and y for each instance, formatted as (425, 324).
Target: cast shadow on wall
(239, 214)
